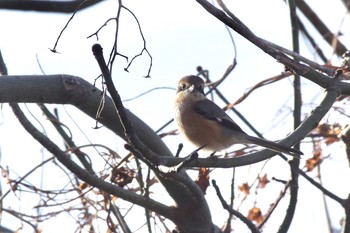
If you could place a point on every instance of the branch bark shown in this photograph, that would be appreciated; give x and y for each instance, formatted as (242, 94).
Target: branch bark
(234, 23)
(86, 176)
(64, 89)
(308, 124)
(325, 32)
(47, 6)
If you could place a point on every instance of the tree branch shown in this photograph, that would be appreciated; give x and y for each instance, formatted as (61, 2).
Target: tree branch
(65, 89)
(327, 34)
(84, 175)
(294, 164)
(47, 6)
(308, 124)
(193, 205)
(233, 22)
(234, 212)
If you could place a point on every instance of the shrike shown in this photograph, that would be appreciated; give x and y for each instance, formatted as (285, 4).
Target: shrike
(204, 123)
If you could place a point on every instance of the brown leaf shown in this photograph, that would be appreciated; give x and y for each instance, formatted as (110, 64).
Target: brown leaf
(329, 132)
(331, 140)
(255, 215)
(122, 176)
(314, 161)
(83, 185)
(263, 181)
(203, 179)
(322, 129)
(244, 188)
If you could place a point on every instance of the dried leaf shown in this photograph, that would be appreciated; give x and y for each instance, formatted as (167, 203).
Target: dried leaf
(83, 185)
(331, 140)
(314, 161)
(122, 176)
(255, 215)
(203, 179)
(322, 129)
(5, 172)
(328, 131)
(263, 181)
(245, 188)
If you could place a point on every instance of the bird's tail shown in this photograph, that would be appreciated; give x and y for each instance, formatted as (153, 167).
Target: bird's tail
(275, 146)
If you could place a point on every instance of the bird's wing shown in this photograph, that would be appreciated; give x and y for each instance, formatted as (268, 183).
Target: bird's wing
(211, 111)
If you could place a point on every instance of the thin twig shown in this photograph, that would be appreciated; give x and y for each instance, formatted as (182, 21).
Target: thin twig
(84, 175)
(234, 23)
(274, 205)
(249, 223)
(54, 50)
(257, 86)
(321, 188)
(144, 49)
(232, 198)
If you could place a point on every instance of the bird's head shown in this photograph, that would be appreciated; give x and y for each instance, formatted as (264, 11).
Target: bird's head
(191, 84)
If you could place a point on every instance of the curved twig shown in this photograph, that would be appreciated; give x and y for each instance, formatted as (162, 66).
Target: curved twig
(84, 175)
(234, 212)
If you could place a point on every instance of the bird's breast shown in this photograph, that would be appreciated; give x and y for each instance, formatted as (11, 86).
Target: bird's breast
(199, 130)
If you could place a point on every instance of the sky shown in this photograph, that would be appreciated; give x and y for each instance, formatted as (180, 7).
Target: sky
(180, 35)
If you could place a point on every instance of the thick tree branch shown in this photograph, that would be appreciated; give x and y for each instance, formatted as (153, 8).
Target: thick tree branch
(234, 23)
(65, 89)
(86, 176)
(193, 206)
(47, 6)
(142, 152)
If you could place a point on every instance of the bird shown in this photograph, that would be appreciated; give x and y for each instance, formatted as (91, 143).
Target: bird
(206, 125)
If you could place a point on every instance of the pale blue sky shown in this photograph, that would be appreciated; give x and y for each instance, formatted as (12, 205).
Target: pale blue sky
(180, 35)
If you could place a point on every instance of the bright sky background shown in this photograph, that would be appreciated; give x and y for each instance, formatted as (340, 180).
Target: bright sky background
(180, 35)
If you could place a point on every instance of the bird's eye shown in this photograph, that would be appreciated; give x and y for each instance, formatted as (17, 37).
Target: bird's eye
(183, 86)
(200, 88)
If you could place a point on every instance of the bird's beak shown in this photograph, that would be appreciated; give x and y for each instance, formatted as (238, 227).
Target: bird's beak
(191, 88)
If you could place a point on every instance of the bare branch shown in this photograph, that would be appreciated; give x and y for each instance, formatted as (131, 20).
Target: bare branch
(65, 26)
(144, 49)
(64, 89)
(321, 27)
(139, 149)
(47, 6)
(294, 164)
(257, 86)
(236, 213)
(301, 69)
(193, 199)
(88, 177)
